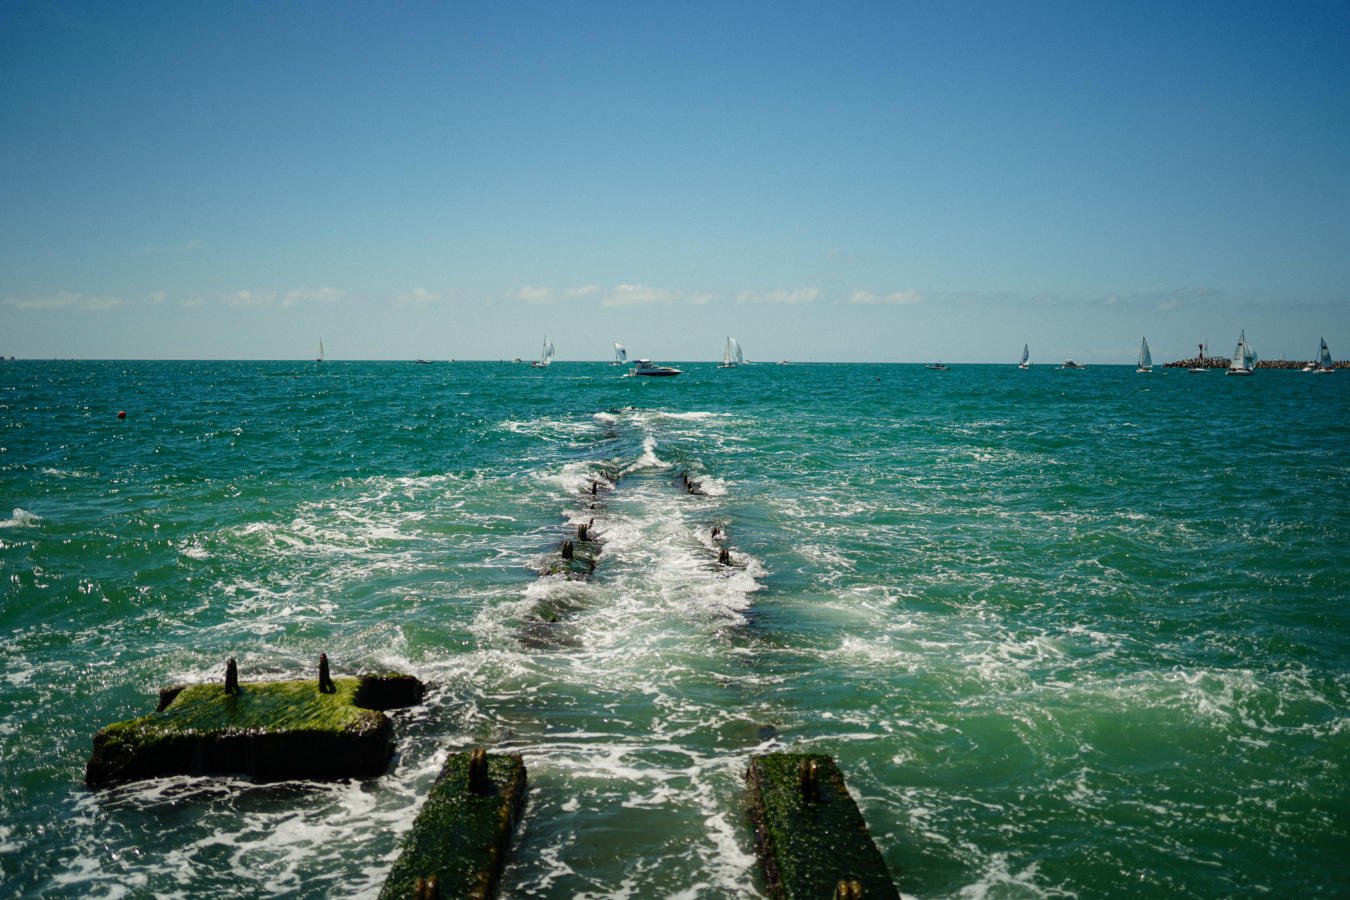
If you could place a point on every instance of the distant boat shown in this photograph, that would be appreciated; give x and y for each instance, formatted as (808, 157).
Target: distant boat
(647, 367)
(784, 362)
(1070, 364)
(1025, 361)
(938, 366)
(1201, 368)
(1244, 357)
(545, 355)
(320, 356)
(731, 354)
(1325, 365)
(620, 354)
(1145, 358)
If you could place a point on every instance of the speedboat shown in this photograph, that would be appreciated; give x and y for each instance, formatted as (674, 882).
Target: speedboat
(647, 367)
(1070, 364)
(938, 367)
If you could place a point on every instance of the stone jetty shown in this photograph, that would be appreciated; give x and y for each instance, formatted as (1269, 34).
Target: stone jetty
(1222, 362)
(322, 729)
(810, 836)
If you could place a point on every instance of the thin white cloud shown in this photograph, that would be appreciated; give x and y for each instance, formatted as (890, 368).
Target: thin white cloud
(101, 303)
(588, 290)
(534, 294)
(250, 299)
(639, 295)
(66, 300)
(895, 298)
(311, 295)
(780, 297)
(419, 297)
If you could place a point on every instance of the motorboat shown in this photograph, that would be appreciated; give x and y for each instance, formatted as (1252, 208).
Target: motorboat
(647, 367)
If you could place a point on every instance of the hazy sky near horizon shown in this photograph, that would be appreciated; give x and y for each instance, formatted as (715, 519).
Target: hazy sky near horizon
(900, 181)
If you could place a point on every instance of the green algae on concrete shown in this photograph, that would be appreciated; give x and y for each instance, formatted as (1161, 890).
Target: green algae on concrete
(462, 835)
(270, 731)
(809, 832)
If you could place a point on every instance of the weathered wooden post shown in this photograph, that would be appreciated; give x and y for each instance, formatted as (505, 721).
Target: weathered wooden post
(231, 677)
(326, 685)
(478, 773)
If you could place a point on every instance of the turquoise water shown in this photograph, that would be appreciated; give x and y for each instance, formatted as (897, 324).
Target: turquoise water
(1067, 633)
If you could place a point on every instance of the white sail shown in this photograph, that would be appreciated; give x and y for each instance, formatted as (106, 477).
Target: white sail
(320, 359)
(1244, 357)
(1324, 356)
(1026, 357)
(545, 355)
(1145, 358)
(731, 354)
(620, 354)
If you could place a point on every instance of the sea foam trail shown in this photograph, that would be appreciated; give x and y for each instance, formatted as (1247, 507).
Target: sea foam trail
(625, 721)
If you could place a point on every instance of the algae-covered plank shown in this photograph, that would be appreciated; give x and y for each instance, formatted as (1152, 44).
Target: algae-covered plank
(462, 835)
(810, 835)
(267, 730)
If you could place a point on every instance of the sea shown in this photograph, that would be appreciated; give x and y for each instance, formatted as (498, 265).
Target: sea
(1066, 633)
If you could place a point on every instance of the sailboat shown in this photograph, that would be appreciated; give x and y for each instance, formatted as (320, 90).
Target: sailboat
(1145, 358)
(320, 357)
(731, 354)
(1025, 361)
(1244, 357)
(1325, 366)
(620, 354)
(545, 355)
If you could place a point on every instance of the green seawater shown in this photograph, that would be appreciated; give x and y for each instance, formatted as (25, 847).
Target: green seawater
(1068, 634)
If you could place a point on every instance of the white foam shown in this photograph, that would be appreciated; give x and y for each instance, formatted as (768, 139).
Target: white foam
(66, 473)
(21, 518)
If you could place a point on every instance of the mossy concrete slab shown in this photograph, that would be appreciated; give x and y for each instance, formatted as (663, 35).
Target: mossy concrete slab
(462, 836)
(270, 731)
(811, 836)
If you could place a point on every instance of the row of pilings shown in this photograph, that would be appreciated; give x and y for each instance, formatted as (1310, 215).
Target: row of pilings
(810, 837)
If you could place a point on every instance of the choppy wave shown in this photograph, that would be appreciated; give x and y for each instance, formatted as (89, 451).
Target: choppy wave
(1058, 636)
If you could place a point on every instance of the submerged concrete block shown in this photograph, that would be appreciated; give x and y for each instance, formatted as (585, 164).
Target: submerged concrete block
(269, 731)
(810, 836)
(460, 839)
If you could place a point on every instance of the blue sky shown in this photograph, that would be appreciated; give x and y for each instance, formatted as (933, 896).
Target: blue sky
(834, 181)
